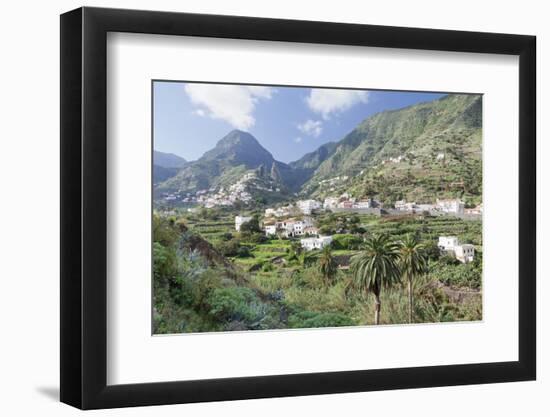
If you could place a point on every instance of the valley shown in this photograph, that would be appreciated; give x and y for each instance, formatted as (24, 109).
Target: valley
(242, 241)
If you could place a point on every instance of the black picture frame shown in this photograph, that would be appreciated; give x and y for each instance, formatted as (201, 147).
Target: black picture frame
(84, 207)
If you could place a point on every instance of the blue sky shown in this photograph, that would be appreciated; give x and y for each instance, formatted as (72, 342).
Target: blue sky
(190, 118)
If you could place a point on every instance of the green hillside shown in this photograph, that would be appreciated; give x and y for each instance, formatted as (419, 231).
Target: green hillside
(435, 146)
(419, 153)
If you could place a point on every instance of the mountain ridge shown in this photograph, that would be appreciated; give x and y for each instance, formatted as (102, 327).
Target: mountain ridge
(407, 140)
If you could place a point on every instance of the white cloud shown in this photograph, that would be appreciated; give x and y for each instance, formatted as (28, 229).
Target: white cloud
(311, 127)
(328, 101)
(298, 139)
(234, 104)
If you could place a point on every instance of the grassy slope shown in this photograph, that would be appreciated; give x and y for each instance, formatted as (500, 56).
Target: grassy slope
(451, 125)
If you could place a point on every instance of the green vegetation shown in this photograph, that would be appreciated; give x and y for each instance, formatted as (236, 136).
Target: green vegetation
(208, 277)
(412, 259)
(418, 153)
(376, 267)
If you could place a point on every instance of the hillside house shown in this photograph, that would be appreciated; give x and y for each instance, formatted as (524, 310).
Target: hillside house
(451, 206)
(280, 211)
(270, 229)
(363, 204)
(312, 243)
(465, 253)
(307, 206)
(289, 228)
(403, 205)
(447, 243)
(239, 220)
(450, 245)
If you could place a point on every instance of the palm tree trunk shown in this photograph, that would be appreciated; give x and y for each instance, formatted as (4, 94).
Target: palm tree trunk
(410, 283)
(377, 309)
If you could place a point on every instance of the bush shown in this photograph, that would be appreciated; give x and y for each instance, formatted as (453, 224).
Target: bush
(243, 252)
(346, 242)
(165, 264)
(227, 236)
(457, 274)
(229, 248)
(308, 319)
(251, 226)
(232, 304)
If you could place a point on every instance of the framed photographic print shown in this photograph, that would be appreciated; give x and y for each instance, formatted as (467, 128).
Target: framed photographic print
(257, 208)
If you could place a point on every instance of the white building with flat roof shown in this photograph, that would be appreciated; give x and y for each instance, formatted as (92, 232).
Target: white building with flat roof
(270, 229)
(447, 243)
(289, 227)
(239, 220)
(450, 245)
(311, 243)
(452, 206)
(307, 206)
(465, 253)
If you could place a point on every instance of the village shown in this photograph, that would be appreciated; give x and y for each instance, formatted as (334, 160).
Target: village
(297, 221)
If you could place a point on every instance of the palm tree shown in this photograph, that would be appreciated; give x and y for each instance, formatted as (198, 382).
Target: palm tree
(327, 266)
(376, 267)
(413, 262)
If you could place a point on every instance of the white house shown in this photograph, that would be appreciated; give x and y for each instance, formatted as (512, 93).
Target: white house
(239, 220)
(404, 206)
(363, 204)
(449, 244)
(311, 243)
(289, 227)
(307, 206)
(270, 229)
(465, 253)
(298, 227)
(453, 206)
(280, 211)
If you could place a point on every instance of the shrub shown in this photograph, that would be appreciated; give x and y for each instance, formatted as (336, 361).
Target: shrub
(243, 252)
(232, 304)
(229, 248)
(308, 319)
(346, 241)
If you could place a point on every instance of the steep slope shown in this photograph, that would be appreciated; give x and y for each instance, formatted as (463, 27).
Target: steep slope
(168, 160)
(161, 173)
(307, 164)
(238, 161)
(166, 165)
(419, 152)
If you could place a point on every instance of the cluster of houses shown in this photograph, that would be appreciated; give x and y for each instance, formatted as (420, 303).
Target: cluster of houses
(446, 206)
(346, 201)
(450, 245)
(394, 160)
(311, 243)
(291, 227)
(302, 207)
(227, 197)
